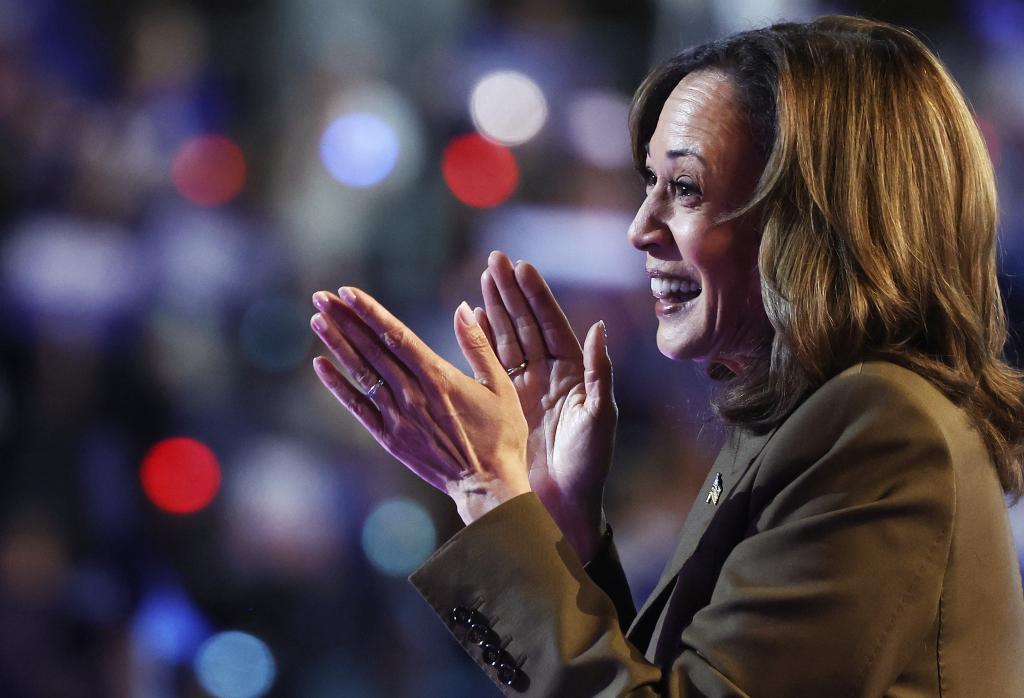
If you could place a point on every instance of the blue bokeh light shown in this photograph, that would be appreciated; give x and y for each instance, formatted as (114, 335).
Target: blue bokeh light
(359, 150)
(234, 664)
(168, 627)
(397, 536)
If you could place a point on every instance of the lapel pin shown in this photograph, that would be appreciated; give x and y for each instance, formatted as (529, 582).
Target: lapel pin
(716, 490)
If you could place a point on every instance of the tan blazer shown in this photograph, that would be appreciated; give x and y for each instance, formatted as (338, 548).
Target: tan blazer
(862, 548)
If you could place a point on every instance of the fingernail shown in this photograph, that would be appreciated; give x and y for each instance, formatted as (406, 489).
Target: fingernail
(320, 300)
(346, 295)
(466, 315)
(318, 323)
(604, 329)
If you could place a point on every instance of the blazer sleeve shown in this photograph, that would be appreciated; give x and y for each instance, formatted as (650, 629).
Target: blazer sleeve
(834, 588)
(605, 569)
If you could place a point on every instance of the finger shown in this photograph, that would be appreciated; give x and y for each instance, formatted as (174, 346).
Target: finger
(385, 350)
(505, 340)
(481, 317)
(527, 330)
(559, 338)
(363, 375)
(597, 365)
(364, 410)
(477, 350)
(354, 401)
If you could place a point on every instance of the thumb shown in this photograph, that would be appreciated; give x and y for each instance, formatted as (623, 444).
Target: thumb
(597, 366)
(476, 348)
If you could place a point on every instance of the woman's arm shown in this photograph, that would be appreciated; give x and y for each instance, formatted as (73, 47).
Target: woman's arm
(834, 589)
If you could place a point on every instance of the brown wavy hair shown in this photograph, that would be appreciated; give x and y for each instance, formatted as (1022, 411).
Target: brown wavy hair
(878, 212)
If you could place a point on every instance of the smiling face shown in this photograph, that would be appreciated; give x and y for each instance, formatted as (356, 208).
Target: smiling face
(701, 164)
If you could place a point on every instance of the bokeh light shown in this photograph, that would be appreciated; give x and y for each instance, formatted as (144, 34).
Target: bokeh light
(209, 170)
(359, 150)
(392, 127)
(398, 536)
(508, 107)
(203, 259)
(168, 627)
(75, 274)
(598, 128)
(282, 508)
(180, 475)
(275, 333)
(234, 664)
(478, 172)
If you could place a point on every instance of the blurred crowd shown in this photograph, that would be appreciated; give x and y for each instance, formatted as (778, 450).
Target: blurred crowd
(185, 511)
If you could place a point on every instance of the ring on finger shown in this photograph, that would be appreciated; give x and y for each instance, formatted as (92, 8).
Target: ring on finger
(516, 370)
(374, 388)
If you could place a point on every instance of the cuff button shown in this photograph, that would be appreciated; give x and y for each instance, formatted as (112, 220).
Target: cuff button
(480, 634)
(507, 673)
(459, 616)
(495, 656)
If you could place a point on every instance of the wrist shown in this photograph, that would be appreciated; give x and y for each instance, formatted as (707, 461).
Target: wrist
(585, 536)
(476, 495)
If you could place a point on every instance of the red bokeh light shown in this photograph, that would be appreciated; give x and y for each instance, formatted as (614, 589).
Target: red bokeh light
(180, 475)
(479, 172)
(209, 170)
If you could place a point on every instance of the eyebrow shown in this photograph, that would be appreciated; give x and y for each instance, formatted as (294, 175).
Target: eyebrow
(685, 153)
(680, 153)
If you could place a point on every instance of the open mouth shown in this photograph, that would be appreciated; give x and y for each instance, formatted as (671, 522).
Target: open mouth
(672, 289)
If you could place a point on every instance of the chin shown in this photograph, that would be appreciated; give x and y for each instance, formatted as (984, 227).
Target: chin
(681, 349)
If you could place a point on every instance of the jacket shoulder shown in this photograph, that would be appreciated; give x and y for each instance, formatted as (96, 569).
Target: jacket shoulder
(874, 427)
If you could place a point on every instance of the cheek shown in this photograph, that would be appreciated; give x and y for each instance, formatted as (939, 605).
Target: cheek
(722, 258)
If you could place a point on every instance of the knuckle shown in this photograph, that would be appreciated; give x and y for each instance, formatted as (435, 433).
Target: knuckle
(524, 323)
(478, 340)
(393, 339)
(364, 377)
(440, 380)
(408, 397)
(550, 325)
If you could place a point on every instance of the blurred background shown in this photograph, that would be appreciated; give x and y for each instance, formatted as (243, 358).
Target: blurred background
(185, 511)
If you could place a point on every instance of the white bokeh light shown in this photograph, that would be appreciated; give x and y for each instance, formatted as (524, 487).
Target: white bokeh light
(508, 107)
(598, 128)
(281, 508)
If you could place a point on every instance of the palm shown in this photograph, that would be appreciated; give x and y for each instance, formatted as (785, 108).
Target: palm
(570, 441)
(564, 391)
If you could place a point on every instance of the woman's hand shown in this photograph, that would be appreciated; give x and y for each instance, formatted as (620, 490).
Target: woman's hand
(565, 392)
(465, 437)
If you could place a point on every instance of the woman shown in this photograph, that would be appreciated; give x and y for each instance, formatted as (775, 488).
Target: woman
(820, 230)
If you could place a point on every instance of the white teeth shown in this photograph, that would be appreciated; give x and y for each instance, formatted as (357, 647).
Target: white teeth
(661, 286)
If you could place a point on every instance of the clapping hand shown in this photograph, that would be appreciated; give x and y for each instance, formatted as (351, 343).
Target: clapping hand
(465, 436)
(565, 391)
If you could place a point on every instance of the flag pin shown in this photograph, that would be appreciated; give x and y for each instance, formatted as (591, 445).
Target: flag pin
(716, 490)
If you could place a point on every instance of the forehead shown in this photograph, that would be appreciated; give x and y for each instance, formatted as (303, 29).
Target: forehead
(702, 113)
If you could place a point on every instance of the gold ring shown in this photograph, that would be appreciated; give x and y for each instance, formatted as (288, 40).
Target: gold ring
(517, 369)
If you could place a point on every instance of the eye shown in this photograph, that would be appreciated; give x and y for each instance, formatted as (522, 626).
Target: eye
(684, 188)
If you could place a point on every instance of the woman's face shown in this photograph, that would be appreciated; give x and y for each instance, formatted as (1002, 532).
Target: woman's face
(701, 163)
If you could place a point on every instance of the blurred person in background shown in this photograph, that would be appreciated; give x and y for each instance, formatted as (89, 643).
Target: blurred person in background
(820, 230)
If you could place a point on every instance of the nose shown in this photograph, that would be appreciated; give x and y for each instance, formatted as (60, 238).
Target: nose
(648, 231)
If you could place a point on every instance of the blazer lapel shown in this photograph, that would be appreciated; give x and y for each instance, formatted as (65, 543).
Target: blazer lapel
(733, 460)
